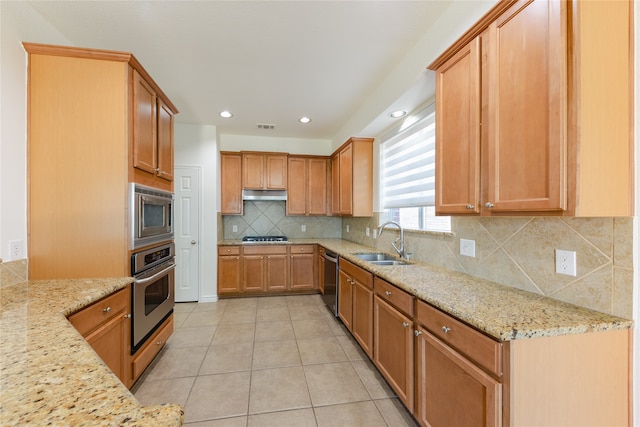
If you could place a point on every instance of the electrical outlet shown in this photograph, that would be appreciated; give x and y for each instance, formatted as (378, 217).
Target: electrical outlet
(468, 247)
(347, 228)
(367, 231)
(15, 249)
(375, 233)
(235, 228)
(303, 228)
(566, 262)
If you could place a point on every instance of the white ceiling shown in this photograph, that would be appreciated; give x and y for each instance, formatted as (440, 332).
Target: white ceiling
(266, 61)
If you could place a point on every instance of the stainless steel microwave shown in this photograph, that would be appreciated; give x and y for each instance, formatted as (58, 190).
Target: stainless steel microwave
(151, 213)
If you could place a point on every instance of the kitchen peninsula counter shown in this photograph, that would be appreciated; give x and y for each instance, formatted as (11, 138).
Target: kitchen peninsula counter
(49, 375)
(499, 311)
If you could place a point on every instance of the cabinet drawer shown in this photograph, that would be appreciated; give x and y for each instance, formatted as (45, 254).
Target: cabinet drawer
(394, 295)
(100, 312)
(264, 250)
(152, 347)
(360, 275)
(228, 250)
(302, 249)
(485, 351)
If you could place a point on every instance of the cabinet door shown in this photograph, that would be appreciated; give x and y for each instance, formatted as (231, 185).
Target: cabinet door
(253, 273)
(335, 184)
(345, 300)
(458, 133)
(393, 354)
(231, 184)
(321, 264)
(302, 272)
(165, 141)
(362, 316)
(110, 341)
(276, 172)
(276, 273)
(346, 180)
(229, 274)
(297, 186)
(144, 125)
(525, 70)
(317, 187)
(253, 171)
(452, 391)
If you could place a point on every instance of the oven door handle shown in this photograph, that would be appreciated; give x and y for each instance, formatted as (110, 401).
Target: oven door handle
(155, 276)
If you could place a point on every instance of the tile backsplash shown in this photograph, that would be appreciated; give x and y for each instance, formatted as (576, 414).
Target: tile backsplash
(12, 272)
(268, 218)
(513, 251)
(520, 252)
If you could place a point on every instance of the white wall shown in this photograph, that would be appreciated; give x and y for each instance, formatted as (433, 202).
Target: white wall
(18, 23)
(320, 147)
(198, 146)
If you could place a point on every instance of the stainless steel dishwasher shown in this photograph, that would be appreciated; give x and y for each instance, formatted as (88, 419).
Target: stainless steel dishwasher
(330, 295)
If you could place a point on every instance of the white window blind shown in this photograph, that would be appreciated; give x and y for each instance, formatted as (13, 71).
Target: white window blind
(408, 163)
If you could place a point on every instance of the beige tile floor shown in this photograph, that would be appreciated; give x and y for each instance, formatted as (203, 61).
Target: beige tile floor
(270, 361)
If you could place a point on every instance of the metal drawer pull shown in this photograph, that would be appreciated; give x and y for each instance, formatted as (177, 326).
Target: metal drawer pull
(405, 324)
(445, 329)
(106, 310)
(470, 206)
(159, 343)
(417, 333)
(489, 205)
(387, 293)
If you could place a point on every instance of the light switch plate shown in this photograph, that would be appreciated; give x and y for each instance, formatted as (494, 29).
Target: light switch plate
(468, 247)
(566, 262)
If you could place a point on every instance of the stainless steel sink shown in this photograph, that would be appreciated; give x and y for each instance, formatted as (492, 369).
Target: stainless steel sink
(379, 259)
(388, 262)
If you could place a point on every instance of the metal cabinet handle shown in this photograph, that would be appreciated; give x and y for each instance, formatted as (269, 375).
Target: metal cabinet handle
(387, 293)
(445, 329)
(106, 310)
(470, 206)
(159, 343)
(417, 332)
(405, 324)
(488, 205)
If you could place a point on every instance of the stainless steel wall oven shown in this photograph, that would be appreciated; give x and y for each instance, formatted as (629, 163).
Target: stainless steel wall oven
(153, 291)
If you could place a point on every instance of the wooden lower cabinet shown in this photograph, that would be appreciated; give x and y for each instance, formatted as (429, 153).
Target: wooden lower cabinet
(355, 303)
(229, 270)
(302, 272)
(267, 269)
(106, 326)
(393, 348)
(450, 389)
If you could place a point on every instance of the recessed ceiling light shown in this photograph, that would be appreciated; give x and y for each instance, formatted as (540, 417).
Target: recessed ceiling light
(226, 114)
(397, 114)
(304, 119)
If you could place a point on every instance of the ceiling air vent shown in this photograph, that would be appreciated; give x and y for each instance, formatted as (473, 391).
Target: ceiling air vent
(265, 126)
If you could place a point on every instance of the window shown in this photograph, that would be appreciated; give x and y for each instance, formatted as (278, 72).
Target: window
(407, 187)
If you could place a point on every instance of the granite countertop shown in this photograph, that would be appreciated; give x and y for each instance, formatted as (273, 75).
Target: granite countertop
(501, 312)
(49, 375)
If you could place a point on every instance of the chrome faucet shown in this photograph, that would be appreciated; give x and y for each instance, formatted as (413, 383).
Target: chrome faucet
(400, 239)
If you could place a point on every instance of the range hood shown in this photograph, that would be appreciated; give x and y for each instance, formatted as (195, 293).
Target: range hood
(264, 195)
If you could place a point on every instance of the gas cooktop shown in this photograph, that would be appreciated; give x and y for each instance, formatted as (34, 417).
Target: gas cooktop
(264, 239)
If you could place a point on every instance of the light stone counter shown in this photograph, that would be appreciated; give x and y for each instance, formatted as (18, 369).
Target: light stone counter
(499, 311)
(49, 375)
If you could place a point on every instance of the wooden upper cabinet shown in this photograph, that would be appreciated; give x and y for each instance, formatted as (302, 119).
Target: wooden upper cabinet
(526, 108)
(264, 171)
(152, 134)
(145, 152)
(307, 185)
(231, 183)
(544, 90)
(458, 132)
(352, 185)
(165, 141)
